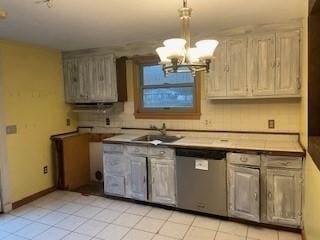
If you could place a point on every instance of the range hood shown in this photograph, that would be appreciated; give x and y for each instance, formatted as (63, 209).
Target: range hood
(102, 108)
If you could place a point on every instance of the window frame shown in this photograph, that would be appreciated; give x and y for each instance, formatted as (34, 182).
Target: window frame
(162, 113)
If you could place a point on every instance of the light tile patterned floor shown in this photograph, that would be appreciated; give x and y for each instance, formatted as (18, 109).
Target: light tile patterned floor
(71, 216)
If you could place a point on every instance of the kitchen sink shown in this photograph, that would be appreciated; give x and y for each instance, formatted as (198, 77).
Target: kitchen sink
(162, 138)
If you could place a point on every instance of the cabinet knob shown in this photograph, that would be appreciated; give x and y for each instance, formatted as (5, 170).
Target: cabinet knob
(285, 163)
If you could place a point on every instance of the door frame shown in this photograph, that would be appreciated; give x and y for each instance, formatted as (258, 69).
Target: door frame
(5, 193)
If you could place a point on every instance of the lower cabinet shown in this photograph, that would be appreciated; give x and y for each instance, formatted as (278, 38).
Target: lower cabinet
(244, 192)
(163, 186)
(115, 185)
(284, 198)
(138, 178)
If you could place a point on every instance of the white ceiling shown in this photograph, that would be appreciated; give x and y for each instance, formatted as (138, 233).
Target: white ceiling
(79, 24)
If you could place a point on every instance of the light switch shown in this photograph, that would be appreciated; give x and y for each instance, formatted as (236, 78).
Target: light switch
(271, 124)
(11, 129)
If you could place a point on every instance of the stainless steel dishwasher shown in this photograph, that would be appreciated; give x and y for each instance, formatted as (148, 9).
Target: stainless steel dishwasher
(202, 181)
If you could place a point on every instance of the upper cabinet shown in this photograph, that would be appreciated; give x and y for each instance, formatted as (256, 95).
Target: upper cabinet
(228, 76)
(90, 79)
(237, 67)
(288, 63)
(260, 65)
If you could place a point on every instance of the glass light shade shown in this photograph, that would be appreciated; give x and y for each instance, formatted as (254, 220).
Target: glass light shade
(163, 54)
(193, 55)
(175, 47)
(207, 48)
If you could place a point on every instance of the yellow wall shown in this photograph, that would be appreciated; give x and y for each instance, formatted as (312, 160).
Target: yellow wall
(34, 101)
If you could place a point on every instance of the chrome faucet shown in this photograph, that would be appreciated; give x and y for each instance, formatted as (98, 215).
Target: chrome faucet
(162, 130)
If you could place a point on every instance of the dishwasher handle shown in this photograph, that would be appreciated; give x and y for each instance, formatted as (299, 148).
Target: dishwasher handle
(204, 154)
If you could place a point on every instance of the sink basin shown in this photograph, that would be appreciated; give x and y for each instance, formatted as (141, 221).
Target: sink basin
(162, 138)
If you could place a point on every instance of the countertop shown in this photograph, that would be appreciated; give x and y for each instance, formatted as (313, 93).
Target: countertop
(273, 145)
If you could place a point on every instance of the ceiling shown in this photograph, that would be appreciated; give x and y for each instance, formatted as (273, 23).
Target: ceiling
(79, 24)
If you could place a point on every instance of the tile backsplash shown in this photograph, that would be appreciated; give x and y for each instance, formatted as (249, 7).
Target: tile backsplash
(249, 115)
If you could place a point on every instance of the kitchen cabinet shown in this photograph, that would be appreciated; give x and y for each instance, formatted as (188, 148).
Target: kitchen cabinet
(138, 178)
(288, 63)
(237, 67)
(229, 69)
(71, 80)
(103, 81)
(256, 65)
(90, 79)
(284, 196)
(115, 185)
(216, 78)
(116, 170)
(244, 192)
(163, 186)
(262, 65)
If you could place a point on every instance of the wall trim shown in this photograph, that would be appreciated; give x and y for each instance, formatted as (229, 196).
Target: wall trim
(32, 197)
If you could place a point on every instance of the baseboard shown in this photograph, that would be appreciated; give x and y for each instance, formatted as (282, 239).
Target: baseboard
(32, 197)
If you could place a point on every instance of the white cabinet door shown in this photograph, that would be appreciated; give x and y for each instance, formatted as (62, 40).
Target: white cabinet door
(288, 63)
(71, 80)
(244, 192)
(115, 185)
(262, 56)
(103, 85)
(217, 78)
(138, 178)
(237, 67)
(85, 68)
(163, 186)
(284, 196)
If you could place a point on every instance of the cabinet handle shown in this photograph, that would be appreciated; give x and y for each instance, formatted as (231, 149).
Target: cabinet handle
(243, 159)
(144, 179)
(162, 152)
(270, 195)
(285, 163)
(278, 63)
(273, 64)
(256, 196)
(298, 82)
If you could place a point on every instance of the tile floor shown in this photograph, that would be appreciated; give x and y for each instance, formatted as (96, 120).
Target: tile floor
(72, 216)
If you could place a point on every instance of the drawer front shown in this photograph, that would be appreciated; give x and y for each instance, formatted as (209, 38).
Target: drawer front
(162, 152)
(282, 162)
(137, 150)
(115, 185)
(113, 148)
(244, 159)
(115, 163)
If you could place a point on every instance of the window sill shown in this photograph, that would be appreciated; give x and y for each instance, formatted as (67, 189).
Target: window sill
(162, 115)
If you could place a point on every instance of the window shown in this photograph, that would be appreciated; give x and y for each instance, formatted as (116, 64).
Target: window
(175, 96)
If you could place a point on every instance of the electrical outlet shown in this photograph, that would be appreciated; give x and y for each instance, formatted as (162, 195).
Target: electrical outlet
(108, 121)
(68, 121)
(271, 124)
(45, 169)
(209, 123)
(11, 129)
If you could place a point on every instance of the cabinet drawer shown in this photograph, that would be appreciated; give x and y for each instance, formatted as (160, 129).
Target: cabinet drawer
(137, 150)
(115, 185)
(244, 159)
(282, 162)
(161, 152)
(113, 148)
(115, 163)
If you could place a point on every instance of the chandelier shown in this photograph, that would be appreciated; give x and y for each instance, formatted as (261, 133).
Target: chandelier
(177, 56)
